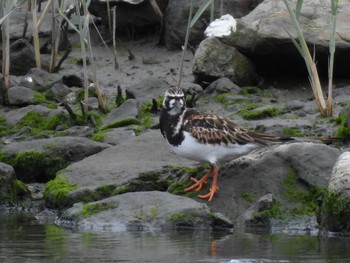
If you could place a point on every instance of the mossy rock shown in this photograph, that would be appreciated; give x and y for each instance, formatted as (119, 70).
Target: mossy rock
(259, 114)
(344, 127)
(95, 208)
(56, 192)
(35, 166)
(12, 190)
(335, 212)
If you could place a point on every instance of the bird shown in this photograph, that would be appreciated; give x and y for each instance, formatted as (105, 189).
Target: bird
(206, 138)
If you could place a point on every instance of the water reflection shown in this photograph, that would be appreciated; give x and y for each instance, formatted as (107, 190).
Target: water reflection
(22, 239)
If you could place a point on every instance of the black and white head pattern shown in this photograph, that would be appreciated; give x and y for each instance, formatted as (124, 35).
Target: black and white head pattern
(174, 101)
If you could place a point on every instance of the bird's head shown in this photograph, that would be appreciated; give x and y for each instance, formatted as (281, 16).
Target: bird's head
(174, 101)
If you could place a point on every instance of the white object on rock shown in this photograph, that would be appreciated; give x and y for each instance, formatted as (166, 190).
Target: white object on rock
(222, 26)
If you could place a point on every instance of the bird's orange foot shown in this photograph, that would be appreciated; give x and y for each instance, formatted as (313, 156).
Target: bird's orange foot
(209, 195)
(198, 184)
(214, 186)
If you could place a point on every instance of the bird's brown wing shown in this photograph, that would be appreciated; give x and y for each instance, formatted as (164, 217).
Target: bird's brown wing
(214, 129)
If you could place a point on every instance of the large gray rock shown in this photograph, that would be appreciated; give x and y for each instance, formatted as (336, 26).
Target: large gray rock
(267, 170)
(40, 80)
(147, 89)
(128, 110)
(22, 56)
(262, 35)
(335, 209)
(118, 167)
(340, 180)
(11, 190)
(15, 116)
(19, 95)
(214, 59)
(39, 160)
(144, 211)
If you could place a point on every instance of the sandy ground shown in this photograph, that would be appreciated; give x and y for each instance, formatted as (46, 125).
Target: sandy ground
(150, 61)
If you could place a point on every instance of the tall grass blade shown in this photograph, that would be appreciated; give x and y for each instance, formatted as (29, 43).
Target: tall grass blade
(309, 61)
(334, 4)
(116, 65)
(298, 8)
(156, 8)
(185, 44)
(36, 34)
(200, 11)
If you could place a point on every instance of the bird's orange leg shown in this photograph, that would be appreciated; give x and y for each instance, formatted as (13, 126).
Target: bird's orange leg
(198, 184)
(214, 186)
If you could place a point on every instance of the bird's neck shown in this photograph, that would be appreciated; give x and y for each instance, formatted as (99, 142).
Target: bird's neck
(172, 126)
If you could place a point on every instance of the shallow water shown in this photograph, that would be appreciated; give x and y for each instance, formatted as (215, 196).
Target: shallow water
(23, 239)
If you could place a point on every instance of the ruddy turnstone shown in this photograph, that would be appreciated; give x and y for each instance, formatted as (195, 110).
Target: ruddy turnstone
(205, 137)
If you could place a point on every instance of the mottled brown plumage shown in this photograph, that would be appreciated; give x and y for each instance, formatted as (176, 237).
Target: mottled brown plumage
(214, 129)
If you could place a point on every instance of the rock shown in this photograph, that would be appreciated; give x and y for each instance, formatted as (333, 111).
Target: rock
(79, 131)
(262, 36)
(118, 168)
(72, 81)
(295, 105)
(305, 158)
(11, 189)
(222, 85)
(39, 160)
(15, 116)
(267, 170)
(46, 217)
(340, 180)
(335, 208)
(147, 89)
(252, 217)
(118, 136)
(176, 19)
(191, 88)
(22, 57)
(127, 111)
(58, 92)
(143, 211)
(40, 80)
(19, 95)
(222, 26)
(213, 60)
(92, 103)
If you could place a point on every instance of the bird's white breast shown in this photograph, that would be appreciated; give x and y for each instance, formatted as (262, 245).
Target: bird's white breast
(190, 148)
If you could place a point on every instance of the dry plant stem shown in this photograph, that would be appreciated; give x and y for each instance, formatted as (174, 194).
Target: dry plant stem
(43, 15)
(110, 27)
(83, 31)
(101, 100)
(36, 34)
(334, 4)
(54, 43)
(5, 49)
(116, 65)
(185, 45)
(309, 61)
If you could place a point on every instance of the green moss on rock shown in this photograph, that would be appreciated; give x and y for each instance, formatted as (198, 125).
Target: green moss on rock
(32, 165)
(259, 114)
(335, 212)
(56, 192)
(344, 127)
(12, 192)
(95, 208)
